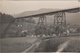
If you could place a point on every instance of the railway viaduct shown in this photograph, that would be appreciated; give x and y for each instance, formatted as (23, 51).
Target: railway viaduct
(59, 19)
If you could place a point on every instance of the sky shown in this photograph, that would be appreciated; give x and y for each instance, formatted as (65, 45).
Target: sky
(16, 7)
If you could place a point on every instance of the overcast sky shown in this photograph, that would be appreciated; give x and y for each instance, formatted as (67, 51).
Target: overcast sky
(15, 7)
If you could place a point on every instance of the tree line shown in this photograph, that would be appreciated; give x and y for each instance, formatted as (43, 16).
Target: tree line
(5, 18)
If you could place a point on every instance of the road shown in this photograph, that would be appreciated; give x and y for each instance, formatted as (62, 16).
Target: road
(61, 43)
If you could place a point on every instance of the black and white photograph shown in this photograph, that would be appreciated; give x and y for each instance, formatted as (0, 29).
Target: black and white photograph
(39, 26)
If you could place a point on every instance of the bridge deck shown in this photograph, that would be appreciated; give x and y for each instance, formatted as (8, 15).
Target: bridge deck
(48, 13)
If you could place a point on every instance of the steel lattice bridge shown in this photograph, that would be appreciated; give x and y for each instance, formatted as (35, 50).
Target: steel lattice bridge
(59, 19)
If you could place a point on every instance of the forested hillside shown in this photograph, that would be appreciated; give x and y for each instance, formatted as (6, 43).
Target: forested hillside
(5, 19)
(11, 27)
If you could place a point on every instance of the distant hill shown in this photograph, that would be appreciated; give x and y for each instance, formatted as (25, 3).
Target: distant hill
(27, 13)
(73, 18)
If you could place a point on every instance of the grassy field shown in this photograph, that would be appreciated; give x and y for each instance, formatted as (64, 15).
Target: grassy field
(16, 44)
(53, 44)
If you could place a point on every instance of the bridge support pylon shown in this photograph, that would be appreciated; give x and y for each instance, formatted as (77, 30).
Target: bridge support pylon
(41, 25)
(59, 23)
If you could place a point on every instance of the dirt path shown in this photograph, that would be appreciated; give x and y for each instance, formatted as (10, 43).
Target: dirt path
(34, 45)
(62, 47)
